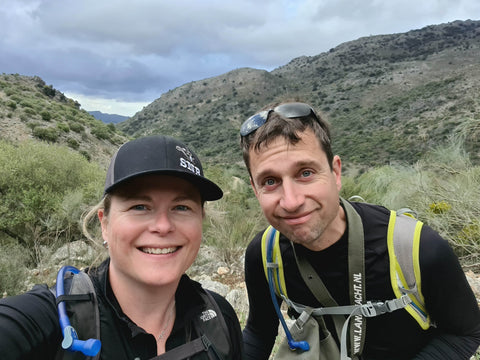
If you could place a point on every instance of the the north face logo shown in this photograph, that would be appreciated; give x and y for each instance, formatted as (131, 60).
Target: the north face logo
(208, 315)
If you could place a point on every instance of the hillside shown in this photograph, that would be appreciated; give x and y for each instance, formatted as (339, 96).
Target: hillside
(30, 109)
(393, 96)
(108, 118)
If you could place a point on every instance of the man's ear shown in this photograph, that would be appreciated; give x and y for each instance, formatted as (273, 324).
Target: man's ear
(253, 186)
(337, 171)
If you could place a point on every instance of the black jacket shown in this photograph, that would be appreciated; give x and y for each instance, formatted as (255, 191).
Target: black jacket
(29, 327)
(448, 296)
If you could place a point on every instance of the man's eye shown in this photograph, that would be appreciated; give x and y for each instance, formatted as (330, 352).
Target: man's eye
(269, 182)
(138, 207)
(306, 173)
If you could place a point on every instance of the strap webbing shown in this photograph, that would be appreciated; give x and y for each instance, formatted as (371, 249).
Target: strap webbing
(356, 269)
(74, 297)
(186, 350)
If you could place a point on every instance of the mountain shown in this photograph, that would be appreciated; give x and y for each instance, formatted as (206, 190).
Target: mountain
(108, 118)
(30, 109)
(388, 97)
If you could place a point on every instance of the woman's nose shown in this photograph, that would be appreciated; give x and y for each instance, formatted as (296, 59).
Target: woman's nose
(161, 223)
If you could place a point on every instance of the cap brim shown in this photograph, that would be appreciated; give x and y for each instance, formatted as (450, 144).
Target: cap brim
(209, 191)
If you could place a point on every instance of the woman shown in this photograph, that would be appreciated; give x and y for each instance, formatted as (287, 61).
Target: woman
(151, 220)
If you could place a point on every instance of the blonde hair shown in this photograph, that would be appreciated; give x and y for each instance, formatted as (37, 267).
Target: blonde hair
(90, 217)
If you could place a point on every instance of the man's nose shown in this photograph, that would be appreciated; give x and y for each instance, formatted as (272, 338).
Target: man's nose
(292, 198)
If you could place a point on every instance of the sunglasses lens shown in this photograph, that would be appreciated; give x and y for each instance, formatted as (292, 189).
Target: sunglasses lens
(288, 110)
(253, 123)
(293, 110)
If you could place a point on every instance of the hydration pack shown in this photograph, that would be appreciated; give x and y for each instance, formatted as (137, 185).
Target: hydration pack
(403, 240)
(82, 309)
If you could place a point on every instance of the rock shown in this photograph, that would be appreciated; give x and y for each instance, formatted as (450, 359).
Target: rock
(215, 286)
(239, 300)
(77, 252)
(474, 281)
(222, 270)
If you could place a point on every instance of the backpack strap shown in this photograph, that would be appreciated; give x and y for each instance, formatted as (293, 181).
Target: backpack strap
(185, 351)
(276, 264)
(213, 335)
(356, 269)
(403, 241)
(82, 307)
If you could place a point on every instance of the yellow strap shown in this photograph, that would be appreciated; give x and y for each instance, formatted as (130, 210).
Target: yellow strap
(396, 273)
(278, 274)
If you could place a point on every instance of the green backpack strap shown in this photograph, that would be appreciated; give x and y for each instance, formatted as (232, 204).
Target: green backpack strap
(403, 241)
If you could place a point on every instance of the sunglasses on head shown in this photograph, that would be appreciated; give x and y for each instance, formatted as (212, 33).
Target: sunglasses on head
(288, 110)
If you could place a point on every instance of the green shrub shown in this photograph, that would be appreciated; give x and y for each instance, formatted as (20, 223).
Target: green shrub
(101, 131)
(49, 90)
(48, 134)
(46, 116)
(74, 126)
(440, 207)
(73, 143)
(443, 188)
(13, 265)
(86, 155)
(26, 104)
(63, 127)
(12, 105)
(232, 221)
(45, 188)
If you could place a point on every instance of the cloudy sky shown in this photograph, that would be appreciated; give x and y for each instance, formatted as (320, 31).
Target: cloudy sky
(117, 56)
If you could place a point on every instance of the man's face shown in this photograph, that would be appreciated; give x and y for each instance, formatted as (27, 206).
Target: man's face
(298, 191)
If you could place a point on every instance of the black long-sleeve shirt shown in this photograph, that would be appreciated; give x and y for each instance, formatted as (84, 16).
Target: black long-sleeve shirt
(29, 326)
(448, 296)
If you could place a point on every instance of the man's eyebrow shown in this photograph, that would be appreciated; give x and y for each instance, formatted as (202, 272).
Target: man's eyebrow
(270, 171)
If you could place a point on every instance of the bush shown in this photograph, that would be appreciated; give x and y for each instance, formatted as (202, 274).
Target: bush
(63, 127)
(48, 134)
(38, 182)
(232, 221)
(12, 268)
(76, 127)
(46, 116)
(73, 143)
(101, 131)
(443, 188)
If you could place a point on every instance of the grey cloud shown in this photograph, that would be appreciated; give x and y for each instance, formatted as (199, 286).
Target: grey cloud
(131, 50)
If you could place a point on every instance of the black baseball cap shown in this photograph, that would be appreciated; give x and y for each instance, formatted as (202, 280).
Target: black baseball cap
(159, 155)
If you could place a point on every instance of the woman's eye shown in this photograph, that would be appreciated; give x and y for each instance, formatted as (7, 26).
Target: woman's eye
(181, 207)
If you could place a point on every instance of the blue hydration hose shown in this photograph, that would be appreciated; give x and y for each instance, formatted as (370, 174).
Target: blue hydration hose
(70, 342)
(294, 345)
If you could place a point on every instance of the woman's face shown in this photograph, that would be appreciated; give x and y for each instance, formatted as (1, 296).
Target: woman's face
(153, 229)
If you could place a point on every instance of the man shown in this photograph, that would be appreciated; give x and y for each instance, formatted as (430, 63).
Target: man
(297, 180)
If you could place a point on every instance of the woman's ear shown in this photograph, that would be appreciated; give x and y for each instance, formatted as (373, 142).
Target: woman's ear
(103, 222)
